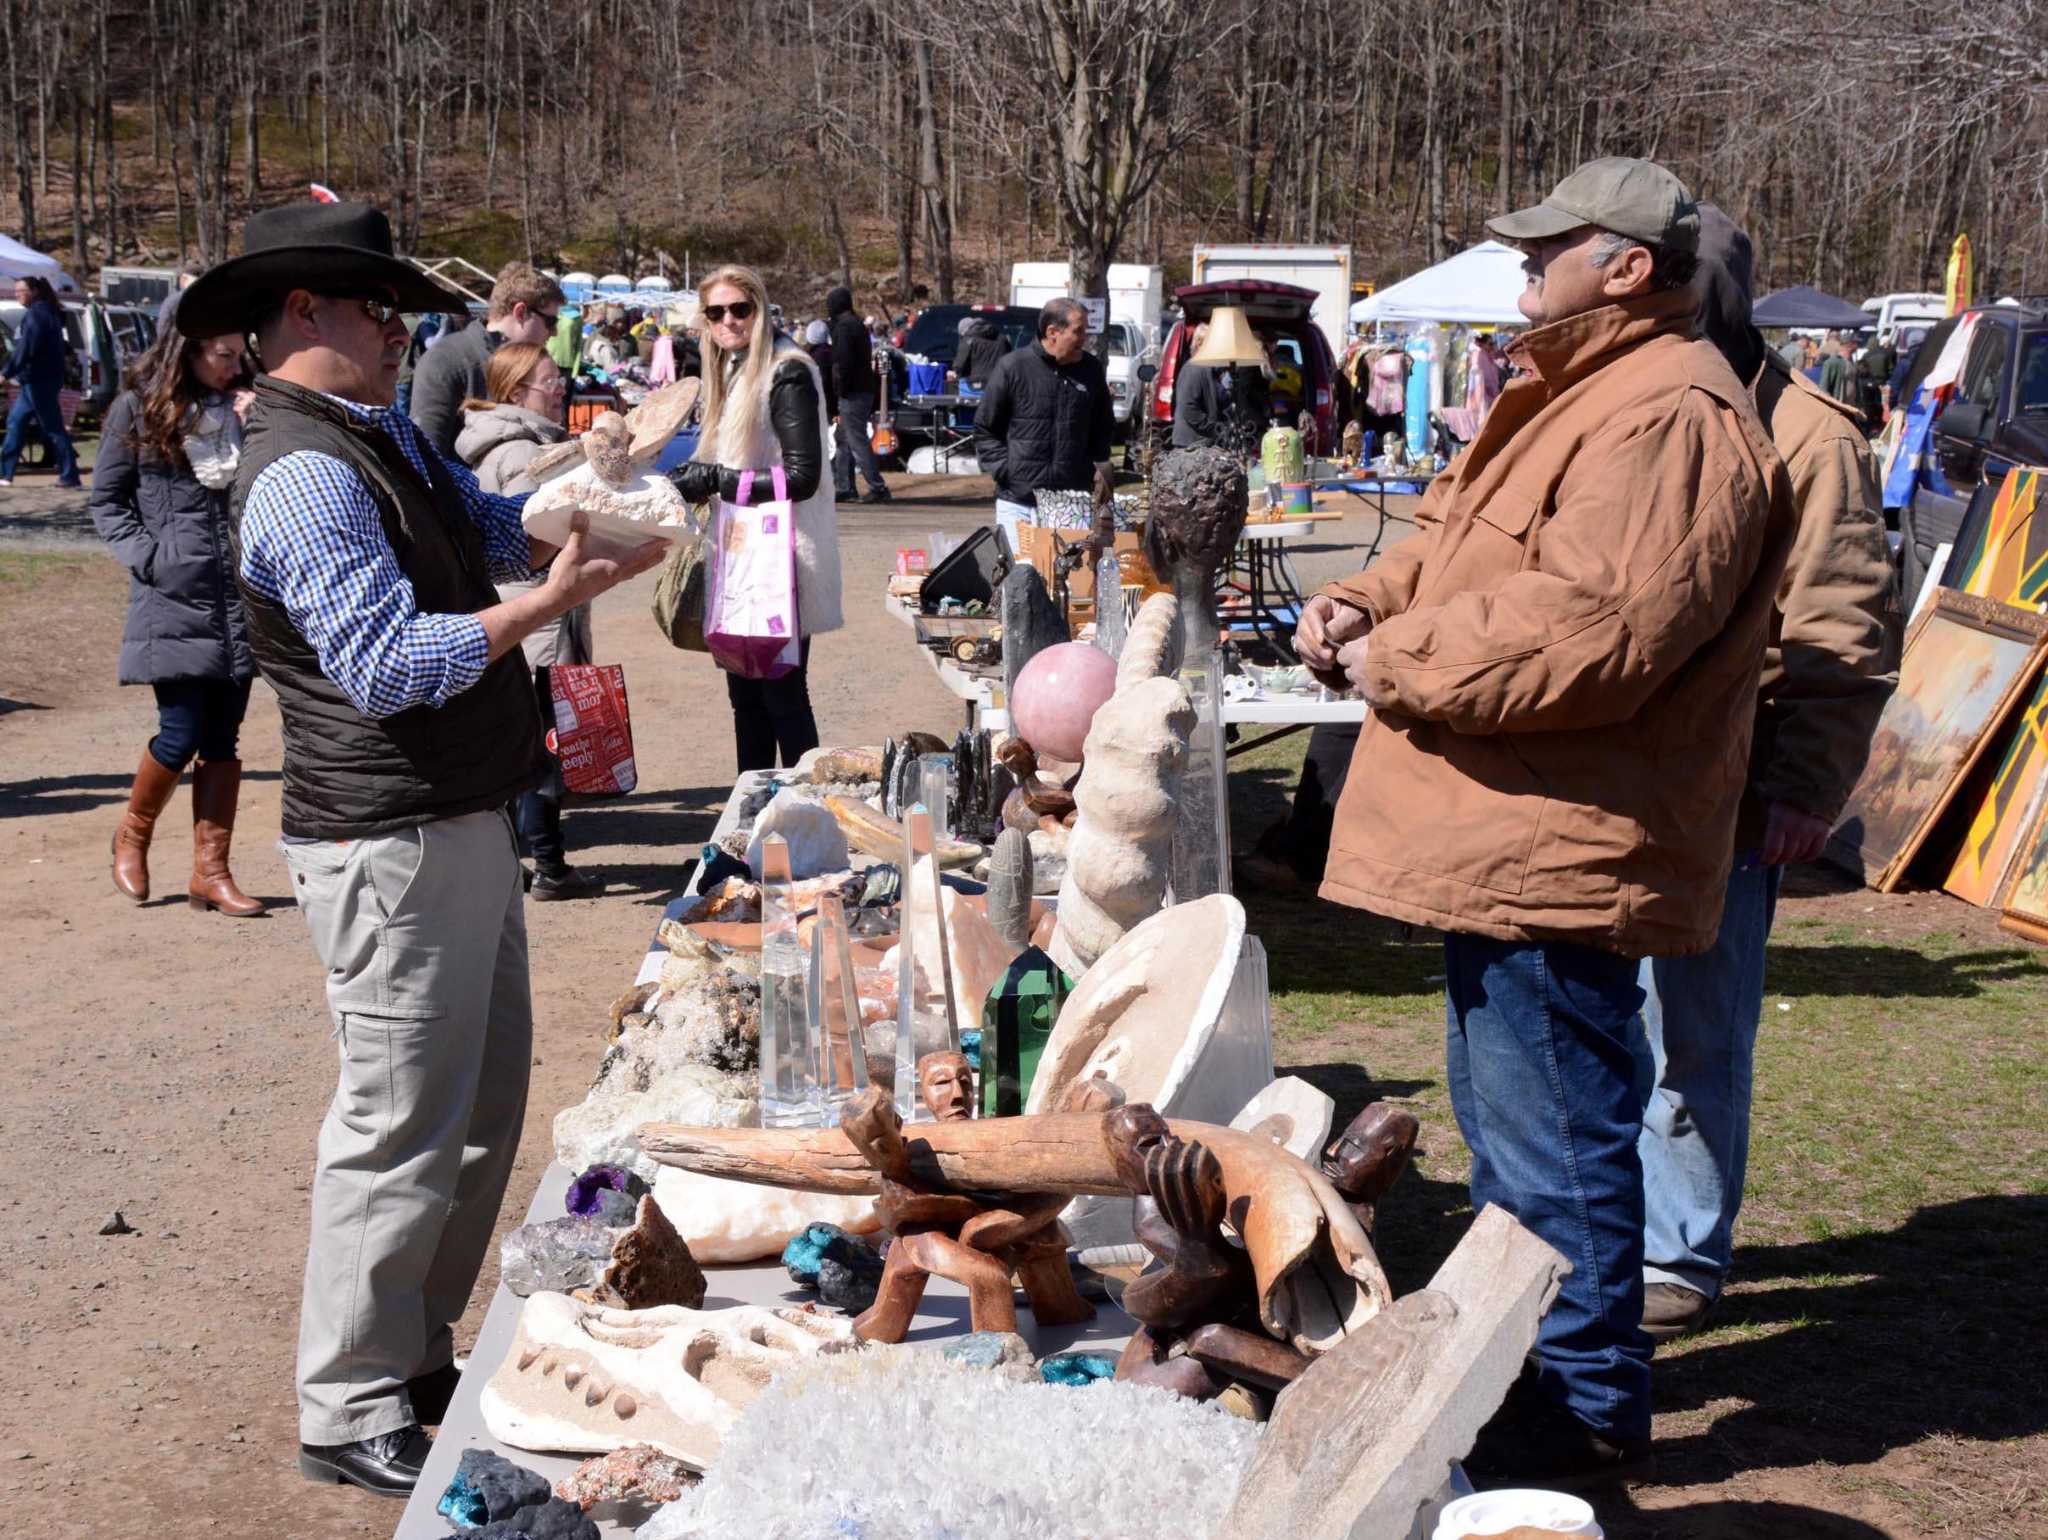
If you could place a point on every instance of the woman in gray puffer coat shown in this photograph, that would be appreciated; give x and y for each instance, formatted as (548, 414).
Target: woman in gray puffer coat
(499, 438)
(168, 453)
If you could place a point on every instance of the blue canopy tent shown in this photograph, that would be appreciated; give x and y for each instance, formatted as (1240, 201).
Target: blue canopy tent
(1805, 306)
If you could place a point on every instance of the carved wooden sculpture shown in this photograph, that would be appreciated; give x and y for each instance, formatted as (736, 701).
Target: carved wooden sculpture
(1369, 1157)
(945, 1084)
(1316, 1278)
(975, 1239)
(1198, 1318)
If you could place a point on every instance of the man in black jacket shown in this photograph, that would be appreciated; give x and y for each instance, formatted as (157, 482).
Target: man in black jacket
(982, 347)
(1045, 421)
(853, 381)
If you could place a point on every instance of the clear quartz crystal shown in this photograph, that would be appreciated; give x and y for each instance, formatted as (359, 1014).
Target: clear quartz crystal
(935, 786)
(1201, 834)
(789, 1077)
(921, 1023)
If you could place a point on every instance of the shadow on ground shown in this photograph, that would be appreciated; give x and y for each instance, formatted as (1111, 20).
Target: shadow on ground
(77, 793)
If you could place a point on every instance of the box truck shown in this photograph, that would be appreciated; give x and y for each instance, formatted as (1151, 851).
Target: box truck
(1137, 293)
(1325, 269)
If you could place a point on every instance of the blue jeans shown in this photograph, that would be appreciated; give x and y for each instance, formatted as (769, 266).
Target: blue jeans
(39, 402)
(1010, 517)
(1544, 1087)
(1695, 1061)
(198, 718)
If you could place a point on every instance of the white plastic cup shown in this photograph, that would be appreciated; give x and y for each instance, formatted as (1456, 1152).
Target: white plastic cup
(1495, 1513)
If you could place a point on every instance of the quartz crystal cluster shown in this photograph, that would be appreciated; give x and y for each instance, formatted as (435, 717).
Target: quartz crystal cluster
(852, 1446)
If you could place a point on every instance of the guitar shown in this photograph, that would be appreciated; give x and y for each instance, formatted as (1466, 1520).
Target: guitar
(882, 432)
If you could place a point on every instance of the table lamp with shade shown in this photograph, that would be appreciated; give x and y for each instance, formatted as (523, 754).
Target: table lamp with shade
(1229, 345)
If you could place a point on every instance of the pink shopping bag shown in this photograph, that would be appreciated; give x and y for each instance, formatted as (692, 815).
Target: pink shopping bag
(750, 619)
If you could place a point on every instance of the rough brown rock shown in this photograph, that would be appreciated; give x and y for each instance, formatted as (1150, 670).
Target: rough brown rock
(652, 1266)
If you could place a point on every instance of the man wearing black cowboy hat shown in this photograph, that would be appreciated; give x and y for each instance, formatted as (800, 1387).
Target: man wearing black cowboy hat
(366, 561)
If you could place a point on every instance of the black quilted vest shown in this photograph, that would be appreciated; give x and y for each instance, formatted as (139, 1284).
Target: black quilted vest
(347, 775)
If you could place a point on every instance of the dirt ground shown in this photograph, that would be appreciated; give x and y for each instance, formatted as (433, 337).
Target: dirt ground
(174, 1066)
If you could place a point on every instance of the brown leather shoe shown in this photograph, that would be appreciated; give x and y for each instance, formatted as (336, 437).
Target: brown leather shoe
(216, 787)
(146, 798)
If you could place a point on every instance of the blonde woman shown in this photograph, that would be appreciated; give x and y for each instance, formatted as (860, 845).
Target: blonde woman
(764, 405)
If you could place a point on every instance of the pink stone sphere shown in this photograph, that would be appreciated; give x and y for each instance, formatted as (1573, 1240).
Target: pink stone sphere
(1057, 693)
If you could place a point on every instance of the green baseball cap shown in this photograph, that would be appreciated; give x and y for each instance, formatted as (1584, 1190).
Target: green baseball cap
(1636, 198)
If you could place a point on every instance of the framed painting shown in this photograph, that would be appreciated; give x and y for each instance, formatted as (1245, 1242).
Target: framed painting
(2026, 887)
(2008, 808)
(2001, 549)
(1968, 663)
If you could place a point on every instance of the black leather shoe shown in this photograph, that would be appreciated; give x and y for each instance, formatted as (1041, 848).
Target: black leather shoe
(388, 1464)
(878, 495)
(551, 884)
(431, 1393)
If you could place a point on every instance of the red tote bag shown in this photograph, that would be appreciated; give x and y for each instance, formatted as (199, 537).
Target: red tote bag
(593, 731)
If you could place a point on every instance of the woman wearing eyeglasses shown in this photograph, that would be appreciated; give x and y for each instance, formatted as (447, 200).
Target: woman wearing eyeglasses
(168, 453)
(764, 406)
(499, 438)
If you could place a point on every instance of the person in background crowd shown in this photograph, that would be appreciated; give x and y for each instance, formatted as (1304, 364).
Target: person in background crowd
(818, 343)
(645, 327)
(1045, 422)
(499, 438)
(1223, 407)
(878, 334)
(982, 347)
(853, 384)
(409, 725)
(1562, 668)
(1483, 379)
(168, 452)
(606, 348)
(424, 333)
(525, 305)
(1838, 370)
(1873, 375)
(1814, 356)
(1827, 675)
(764, 406)
(37, 368)
(690, 347)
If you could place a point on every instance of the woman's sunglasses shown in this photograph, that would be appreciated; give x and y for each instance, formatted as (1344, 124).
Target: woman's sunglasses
(739, 310)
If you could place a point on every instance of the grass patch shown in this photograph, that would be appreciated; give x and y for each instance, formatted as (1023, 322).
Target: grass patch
(28, 567)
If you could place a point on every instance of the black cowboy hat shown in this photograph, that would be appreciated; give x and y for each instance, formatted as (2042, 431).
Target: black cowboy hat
(329, 248)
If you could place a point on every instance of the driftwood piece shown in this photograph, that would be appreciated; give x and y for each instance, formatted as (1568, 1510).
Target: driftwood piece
(1317, 1276)
(1366, 1435)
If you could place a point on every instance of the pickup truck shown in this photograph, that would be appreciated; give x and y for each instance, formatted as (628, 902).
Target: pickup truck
(1997, 418)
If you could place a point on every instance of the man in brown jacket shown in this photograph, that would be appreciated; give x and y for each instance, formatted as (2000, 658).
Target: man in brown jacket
(1563, 669)
(1826, 678)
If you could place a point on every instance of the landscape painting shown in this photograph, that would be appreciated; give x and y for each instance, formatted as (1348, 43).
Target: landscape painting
(1967, 663)
(2008, 808)
(2026, 893)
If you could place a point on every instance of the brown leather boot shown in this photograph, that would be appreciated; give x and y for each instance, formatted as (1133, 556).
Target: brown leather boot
(216, 787)
(146, 798)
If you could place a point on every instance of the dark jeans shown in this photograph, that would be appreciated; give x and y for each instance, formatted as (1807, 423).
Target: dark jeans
(1543, 1082)
(199, 718)
(537, 814)
(772, 714)
(39, 402)
(854, 448)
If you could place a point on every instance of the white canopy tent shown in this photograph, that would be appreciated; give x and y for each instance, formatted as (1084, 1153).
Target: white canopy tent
(19, 261)
(1477, 287)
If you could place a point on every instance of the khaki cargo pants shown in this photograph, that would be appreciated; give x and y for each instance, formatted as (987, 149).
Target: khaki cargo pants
(423, 934)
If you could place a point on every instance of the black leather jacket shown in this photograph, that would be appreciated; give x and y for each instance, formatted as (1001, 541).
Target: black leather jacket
(793, 413)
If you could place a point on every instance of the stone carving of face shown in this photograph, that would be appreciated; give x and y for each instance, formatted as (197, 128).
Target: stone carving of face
(946, 1083)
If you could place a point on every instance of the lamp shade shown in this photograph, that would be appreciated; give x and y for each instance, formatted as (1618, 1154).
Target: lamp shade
(1231, 340)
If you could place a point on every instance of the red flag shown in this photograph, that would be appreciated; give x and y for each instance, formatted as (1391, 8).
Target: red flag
(323, 194)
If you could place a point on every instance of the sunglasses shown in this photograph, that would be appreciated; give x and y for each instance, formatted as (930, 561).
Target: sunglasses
(383, 312)
(739, 310)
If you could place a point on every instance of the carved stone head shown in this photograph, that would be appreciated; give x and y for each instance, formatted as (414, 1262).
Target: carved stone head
(946, 1082)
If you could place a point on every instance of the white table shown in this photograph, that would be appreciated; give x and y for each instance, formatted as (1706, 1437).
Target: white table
(982, 694)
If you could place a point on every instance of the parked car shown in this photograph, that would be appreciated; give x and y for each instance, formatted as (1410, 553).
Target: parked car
(1281, 316)
(1124, 348)
(1997, 418)
(105, 341)
(935, 334)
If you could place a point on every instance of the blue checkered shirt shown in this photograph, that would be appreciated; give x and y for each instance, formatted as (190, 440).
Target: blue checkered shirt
(312, 542)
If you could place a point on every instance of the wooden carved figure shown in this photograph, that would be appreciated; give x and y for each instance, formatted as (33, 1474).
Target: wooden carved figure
(1369, 1157)
(977, 1240)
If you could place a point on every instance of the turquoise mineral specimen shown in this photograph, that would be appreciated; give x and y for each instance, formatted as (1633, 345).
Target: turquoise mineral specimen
(1077, 1368)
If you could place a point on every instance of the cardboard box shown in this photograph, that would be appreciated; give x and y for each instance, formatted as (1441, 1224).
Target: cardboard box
(1040, 547)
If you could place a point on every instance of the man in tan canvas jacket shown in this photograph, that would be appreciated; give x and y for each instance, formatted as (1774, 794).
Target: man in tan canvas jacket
(1827, 676)
(1563, 668)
